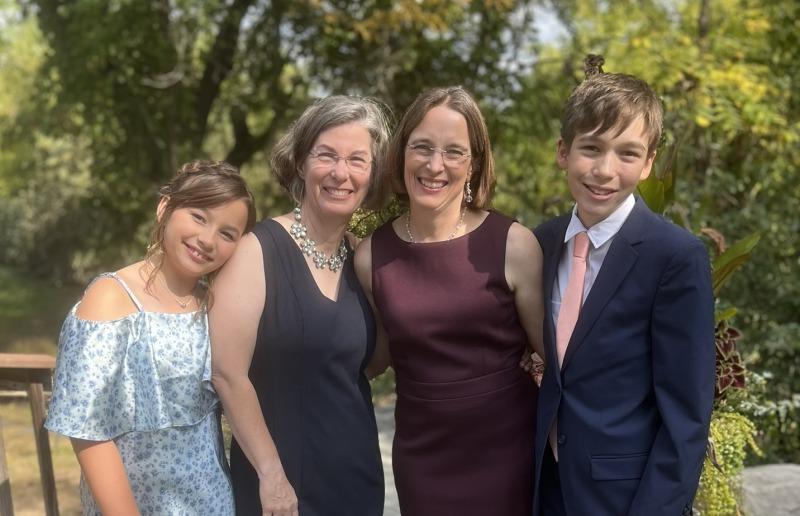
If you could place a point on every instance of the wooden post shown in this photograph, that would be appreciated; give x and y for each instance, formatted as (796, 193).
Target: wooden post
(38, 412)
(33, 371)
(6, 507)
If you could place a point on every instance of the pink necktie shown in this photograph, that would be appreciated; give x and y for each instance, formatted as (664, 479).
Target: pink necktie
(573, 295)
(570, 308)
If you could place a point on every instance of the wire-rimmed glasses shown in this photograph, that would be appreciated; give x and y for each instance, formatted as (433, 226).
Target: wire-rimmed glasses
(356, 162)
(449, 156)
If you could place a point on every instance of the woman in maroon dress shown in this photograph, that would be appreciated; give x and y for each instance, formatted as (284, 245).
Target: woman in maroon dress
(458, 291)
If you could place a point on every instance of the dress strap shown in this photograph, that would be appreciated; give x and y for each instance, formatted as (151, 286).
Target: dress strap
(124, 286)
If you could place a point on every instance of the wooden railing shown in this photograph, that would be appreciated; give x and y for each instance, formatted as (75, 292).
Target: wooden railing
(31, 373)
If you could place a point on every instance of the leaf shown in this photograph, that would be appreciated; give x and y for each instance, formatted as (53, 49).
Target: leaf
(725, 315)
(653, 192)
(734, 257)
(716, 237)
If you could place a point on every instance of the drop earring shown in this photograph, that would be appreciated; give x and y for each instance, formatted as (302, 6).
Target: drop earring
(467, 193)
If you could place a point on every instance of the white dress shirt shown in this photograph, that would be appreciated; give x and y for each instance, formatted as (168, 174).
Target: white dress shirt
(600, 237)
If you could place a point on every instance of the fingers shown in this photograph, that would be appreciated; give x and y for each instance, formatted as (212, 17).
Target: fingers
(278, 498)
(280, 505)
(526, 362)
(281, 512)
(280, 509)
(532, 364)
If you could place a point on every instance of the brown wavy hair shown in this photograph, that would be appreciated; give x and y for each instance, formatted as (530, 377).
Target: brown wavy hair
(197, 184)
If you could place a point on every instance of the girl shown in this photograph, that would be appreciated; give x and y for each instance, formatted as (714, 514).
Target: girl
(132, 382)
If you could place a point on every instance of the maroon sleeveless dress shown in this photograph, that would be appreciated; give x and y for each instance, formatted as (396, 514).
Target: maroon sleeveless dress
(465, 413)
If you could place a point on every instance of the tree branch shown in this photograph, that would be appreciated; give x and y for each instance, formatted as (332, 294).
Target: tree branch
(219, 64)
(247, 143)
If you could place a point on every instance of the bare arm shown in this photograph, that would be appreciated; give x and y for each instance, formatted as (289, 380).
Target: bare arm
(239, 299)
(363, 265)
(106, 476)
(100, 461)
(524, 276)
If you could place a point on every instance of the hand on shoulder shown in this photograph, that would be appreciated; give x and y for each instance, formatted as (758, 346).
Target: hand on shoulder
(105, 300)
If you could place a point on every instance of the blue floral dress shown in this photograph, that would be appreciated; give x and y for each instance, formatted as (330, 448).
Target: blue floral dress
(143, 381)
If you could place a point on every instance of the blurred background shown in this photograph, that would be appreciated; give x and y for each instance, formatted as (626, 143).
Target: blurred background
(101, 101)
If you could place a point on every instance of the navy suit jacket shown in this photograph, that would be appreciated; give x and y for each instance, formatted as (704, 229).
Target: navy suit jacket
(633, 398)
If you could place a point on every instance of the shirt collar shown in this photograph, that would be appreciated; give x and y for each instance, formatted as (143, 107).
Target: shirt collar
(601, 232)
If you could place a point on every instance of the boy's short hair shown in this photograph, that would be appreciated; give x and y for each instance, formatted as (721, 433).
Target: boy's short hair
(611, 100)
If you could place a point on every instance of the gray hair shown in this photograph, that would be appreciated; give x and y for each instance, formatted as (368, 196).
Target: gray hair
(293, 148)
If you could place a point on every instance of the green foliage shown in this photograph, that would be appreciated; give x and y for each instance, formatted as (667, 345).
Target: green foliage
(31, 312)
(654, 192)
(144, 86)
(730, 436)
(364, 222)
(731, 259)
(775, 403)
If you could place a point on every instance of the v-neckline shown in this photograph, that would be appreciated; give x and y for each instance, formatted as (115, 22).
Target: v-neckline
(307, 267)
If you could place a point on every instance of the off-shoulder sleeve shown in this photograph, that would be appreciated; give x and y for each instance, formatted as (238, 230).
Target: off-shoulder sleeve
(92, 399)
(109, 380)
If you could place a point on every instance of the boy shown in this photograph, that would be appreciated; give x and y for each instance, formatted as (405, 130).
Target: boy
(625, 401)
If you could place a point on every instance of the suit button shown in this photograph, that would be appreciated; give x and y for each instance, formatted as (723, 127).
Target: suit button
(562, 440)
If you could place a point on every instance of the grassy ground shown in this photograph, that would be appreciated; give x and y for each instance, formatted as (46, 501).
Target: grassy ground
(31, 313)
(23, 467)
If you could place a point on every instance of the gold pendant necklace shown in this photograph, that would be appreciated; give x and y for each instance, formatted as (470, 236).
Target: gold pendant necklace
(181, 303)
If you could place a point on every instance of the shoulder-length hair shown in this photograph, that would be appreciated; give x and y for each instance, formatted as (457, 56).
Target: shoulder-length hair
(292, 150)
(482, 178)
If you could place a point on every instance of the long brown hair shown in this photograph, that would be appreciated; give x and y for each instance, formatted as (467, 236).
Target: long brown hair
(198, 184)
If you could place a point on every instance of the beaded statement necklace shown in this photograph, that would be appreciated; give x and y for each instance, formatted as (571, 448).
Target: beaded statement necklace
(308, 247)
(453, 234)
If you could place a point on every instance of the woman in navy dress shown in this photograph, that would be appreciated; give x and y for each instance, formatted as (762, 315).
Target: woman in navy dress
(458, 292)
(292, 331)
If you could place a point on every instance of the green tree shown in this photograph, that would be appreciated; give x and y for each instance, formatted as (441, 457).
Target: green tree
(144, 86)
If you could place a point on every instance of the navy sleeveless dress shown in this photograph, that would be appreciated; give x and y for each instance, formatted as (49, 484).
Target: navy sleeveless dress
(465, 412)
(308, 371)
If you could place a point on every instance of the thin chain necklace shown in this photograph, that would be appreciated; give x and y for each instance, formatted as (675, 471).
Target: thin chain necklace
(182, 304)
(299, 231)
(453, 234)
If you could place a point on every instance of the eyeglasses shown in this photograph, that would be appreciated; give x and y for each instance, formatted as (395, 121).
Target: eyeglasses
(355, 163)
(449, 156)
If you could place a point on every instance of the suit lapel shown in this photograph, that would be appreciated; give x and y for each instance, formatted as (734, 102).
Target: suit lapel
(552, 254)
(618, 262)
